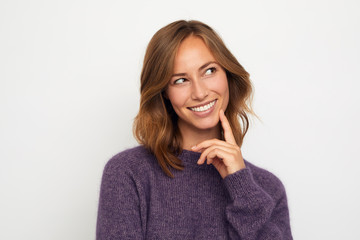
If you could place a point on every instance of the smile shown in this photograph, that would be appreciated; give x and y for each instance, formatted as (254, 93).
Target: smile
(203, 108)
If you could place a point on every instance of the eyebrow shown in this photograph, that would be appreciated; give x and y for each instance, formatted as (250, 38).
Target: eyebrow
(200, 68)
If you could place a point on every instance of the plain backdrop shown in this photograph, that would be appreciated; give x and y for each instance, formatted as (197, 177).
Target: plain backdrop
(69, 91)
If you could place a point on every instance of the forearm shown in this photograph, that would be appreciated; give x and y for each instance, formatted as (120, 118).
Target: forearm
(252, 213)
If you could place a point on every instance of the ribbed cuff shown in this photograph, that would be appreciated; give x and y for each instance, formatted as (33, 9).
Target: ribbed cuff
(241, 184)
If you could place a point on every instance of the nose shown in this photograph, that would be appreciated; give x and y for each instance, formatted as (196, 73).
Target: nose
(199, 90)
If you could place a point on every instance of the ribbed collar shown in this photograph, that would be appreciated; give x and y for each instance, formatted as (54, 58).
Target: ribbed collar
(190, 158)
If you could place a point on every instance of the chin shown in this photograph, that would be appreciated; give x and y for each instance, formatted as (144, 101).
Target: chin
(207, 124)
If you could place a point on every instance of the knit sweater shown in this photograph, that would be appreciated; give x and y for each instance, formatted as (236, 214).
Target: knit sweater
(138, 201)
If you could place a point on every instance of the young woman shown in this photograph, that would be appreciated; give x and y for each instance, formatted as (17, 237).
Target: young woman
(188, 179)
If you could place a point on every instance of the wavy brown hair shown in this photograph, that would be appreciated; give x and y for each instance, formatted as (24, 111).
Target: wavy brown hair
(155, 126)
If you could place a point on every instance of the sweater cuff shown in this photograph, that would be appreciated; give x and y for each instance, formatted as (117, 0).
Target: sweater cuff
(241, 184)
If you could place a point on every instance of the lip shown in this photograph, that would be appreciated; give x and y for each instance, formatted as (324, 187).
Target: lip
(206, 112)
(203, 104)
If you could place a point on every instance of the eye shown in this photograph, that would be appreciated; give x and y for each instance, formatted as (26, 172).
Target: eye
(210, 71)
(179, 81)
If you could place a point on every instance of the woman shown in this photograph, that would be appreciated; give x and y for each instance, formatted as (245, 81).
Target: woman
(188, 179)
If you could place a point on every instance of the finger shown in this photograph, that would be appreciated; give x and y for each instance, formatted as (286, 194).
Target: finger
(224, 159)
(228, 134)
(220, 167)
(212, 160)
(205, 154)
(207, 143)
(218, 154)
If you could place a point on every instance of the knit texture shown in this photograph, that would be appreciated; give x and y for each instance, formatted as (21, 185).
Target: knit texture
(138, 201)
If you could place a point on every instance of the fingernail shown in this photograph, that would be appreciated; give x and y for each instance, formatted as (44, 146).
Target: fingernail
(193, 147)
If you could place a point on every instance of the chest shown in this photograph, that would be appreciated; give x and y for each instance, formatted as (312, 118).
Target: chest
(190, 206)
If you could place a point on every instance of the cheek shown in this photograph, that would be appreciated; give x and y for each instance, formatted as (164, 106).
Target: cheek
(177, 97)
(224, 87)
(225, 95)
(226, 99)
(221, 86)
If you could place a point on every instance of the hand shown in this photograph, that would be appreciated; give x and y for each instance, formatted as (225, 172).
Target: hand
(224, 155)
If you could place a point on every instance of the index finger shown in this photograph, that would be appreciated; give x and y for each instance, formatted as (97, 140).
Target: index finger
(228, 134)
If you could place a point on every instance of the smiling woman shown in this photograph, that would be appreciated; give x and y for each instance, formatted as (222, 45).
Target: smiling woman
(163, 54)
(197, 91)
(193, 91)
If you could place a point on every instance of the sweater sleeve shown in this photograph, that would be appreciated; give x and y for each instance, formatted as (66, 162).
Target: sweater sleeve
(253, 213)
(119, 205)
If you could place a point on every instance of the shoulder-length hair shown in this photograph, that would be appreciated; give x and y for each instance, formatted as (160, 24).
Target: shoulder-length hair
(155, 126)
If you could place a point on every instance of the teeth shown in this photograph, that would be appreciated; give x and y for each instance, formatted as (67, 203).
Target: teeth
(203, 108)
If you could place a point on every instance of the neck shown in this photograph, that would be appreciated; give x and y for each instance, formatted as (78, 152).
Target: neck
(192, 136)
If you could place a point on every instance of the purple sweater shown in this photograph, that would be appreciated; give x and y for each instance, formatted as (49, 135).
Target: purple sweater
(138, 201)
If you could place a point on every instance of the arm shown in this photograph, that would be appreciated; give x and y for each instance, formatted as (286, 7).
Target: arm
(252, 213)
(119, 205)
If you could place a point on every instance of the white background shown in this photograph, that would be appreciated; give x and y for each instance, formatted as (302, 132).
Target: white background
(69, 90)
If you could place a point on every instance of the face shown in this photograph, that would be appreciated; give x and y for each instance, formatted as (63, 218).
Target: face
(198, 88)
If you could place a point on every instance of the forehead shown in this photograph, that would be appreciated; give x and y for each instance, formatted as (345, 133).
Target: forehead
(192, 53)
